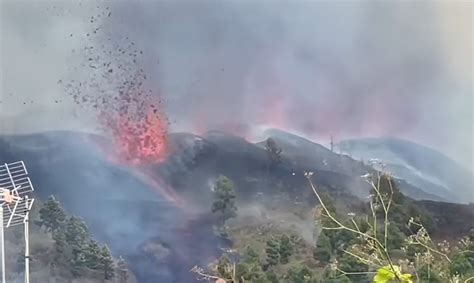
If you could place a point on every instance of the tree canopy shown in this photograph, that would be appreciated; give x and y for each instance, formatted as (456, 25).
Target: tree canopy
(224, 198)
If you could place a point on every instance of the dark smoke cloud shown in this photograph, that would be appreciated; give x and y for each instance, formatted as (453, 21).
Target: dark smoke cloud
(317, 68)
(351, 69)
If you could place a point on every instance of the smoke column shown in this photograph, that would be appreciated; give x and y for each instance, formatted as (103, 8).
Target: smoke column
(353, 69)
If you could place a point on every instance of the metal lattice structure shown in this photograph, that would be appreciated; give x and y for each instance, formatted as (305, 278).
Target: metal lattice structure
(15, 205)
(14, 177)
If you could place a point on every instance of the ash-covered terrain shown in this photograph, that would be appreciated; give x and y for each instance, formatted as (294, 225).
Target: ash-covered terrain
(158, 216)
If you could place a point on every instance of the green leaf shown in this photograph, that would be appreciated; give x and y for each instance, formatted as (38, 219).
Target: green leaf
(386, 274)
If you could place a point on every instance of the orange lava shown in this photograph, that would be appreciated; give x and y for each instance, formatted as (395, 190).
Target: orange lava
(139, 141)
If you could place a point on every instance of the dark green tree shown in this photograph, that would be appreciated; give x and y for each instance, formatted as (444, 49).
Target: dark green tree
(396, 238)
(348, 263)
(425, 274)
(224, 198)
(76, 236)
(271, 277)
(285, 249)
(401, 209)
(62, 255)
(321, 216)
(323, 249)
(333, 276)
(273, 151)
(107, 263)
(460, 265)
(92, 255)
(338, 239)
(300, 274)
(52, 215)
(272, 252)
(250, 268)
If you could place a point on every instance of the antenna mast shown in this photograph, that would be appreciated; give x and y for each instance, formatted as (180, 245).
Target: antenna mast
(15, 205)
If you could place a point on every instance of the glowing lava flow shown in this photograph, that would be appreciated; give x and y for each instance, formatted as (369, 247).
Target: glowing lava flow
(139, 142)
(150, 178)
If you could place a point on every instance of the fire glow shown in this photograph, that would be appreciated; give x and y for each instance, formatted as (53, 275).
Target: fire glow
(140, 142)
(128, 112)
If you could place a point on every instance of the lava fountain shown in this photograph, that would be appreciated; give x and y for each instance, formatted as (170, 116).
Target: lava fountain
(139, 143)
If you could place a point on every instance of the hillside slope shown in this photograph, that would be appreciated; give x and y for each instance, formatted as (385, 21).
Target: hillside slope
(157, 216)
(119, 205)
(426, 168)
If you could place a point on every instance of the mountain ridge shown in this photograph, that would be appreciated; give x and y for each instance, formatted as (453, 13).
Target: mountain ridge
(420, 165)
(74, 167)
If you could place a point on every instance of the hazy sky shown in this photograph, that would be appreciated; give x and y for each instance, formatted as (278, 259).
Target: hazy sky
(347, 68)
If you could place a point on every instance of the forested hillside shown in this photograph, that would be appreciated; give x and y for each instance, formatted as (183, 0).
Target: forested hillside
(61, 250)
(389, 238)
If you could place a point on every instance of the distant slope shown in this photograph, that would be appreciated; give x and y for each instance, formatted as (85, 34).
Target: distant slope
(423, 167)
(451, 219)
(312, 155)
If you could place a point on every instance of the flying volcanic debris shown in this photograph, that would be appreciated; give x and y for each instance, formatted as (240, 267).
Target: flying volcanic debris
(110, 85)
(113, 89)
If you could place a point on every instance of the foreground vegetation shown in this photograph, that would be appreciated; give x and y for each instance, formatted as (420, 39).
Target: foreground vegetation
(62, 249)
(386, 240)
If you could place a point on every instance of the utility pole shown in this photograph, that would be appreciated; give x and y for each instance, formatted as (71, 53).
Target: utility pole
(332, 143)
(27, 242)
(2, 238)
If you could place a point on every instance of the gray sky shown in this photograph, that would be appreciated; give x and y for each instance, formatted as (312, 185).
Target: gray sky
(347, 68)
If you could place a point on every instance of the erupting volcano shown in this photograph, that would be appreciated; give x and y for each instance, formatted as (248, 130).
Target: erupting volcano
(136, 126)
(138, 141)
(145, 142)
(115, 91)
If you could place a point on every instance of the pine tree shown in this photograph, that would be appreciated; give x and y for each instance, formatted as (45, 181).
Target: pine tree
(349, 264)
(299, 274)
(323, 248)
(334, 276)
(286, 249)
(273, 252)
(460, 265)
(271, 277)
(92, 255)
(224, 198)
(52, 215)
(250, 268)
(107, 263)
(273, 151)
(251, 256)
(76, 237)
(122, 270)
(61, 250)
